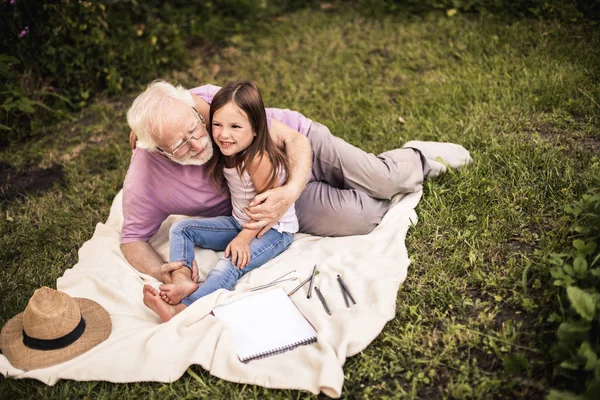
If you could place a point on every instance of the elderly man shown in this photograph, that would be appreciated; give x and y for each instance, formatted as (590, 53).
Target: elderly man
(347, 193)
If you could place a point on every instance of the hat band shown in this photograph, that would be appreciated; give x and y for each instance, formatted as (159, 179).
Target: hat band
(54, 344)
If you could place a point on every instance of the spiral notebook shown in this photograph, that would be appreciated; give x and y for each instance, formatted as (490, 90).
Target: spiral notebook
(265, 324)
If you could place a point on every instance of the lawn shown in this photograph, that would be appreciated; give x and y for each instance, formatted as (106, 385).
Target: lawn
(522, 95)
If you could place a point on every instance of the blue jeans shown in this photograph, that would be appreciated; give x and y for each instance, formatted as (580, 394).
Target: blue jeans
(215, 234)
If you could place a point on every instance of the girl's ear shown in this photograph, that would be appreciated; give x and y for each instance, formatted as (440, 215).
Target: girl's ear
(253, 133)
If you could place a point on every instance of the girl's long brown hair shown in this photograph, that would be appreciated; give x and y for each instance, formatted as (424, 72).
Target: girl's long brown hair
(247, 97)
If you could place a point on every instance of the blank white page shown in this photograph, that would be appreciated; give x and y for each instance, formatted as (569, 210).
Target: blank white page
(265, 323)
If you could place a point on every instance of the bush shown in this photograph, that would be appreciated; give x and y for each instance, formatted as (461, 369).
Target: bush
(577, 272)
(60, 53)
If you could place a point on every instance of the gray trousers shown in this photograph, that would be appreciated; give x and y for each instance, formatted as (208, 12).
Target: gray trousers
(350, 190)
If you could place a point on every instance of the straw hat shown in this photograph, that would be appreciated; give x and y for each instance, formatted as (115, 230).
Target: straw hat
(54, 328)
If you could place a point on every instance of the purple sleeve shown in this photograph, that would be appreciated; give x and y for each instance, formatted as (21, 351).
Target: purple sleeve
(141, 218)
(206, 92)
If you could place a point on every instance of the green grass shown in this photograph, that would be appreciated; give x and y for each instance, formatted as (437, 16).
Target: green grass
(523, 97)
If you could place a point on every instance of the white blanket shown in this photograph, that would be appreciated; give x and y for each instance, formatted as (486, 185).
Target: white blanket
(140, 348)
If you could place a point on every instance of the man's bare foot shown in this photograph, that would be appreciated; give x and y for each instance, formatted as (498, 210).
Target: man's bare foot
(153, 301)
(181, 287)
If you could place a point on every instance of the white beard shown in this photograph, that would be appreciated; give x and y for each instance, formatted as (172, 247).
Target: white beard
(204, 157)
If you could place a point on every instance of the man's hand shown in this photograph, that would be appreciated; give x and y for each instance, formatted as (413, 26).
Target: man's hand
(268, 207)
(166, 270)
(132, 139)
(239, 250)
(195, 271)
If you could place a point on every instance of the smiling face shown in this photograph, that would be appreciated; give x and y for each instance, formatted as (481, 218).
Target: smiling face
(231, 129)
(185, 139)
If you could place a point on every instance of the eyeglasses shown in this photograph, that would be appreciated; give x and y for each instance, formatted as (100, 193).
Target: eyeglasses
(184, 147)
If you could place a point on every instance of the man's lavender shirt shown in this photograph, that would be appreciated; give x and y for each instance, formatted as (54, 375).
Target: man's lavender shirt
(156, 187)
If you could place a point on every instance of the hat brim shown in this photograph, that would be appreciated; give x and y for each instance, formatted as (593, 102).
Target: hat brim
(98, 328)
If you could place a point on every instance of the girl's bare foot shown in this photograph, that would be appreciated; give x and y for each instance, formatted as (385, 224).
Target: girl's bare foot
(153, 301)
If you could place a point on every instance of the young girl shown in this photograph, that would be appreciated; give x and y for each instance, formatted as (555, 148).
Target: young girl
(251, 164)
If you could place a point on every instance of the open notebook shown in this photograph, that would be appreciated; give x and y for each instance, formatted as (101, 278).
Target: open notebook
(264, 324)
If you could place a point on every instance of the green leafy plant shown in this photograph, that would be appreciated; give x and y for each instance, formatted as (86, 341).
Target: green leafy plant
(60, 54)
(577, 271)
(18, 108)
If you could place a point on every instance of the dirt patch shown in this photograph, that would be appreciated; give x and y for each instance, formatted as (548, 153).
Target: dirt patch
(558, 136)
(547, 131)
(592, 144)
(508, 314)
(518, 247)
(18, 182)
(431, 392)
(487, 362)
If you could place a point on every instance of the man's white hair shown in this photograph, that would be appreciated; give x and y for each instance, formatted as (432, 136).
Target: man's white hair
(145, 115)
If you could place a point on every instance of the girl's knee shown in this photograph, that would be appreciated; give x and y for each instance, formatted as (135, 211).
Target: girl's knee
(178, 227)
(224, 266)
